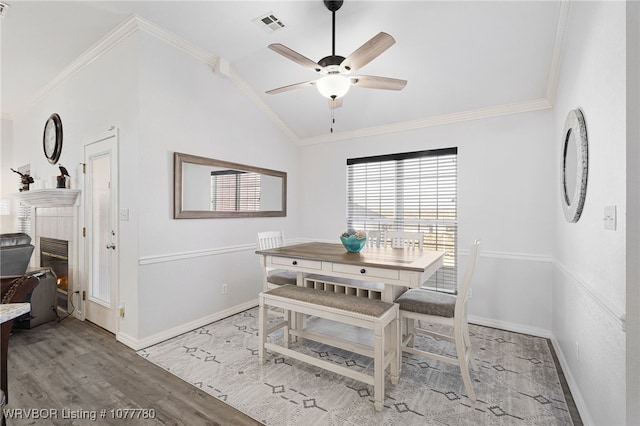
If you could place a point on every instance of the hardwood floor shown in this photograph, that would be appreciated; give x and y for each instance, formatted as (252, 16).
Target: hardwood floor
(77, 369)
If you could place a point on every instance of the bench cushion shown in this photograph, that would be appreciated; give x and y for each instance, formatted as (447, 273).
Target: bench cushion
(282, 277)
(427, 302)
(349, 303)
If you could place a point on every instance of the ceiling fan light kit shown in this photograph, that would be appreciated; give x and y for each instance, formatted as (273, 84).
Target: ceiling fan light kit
(336, 70)
(333, 86)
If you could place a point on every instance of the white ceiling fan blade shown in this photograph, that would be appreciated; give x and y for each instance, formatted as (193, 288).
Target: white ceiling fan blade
(374, 82)
(290, 87)
(367, 52)
(295, 56)
(335, 103)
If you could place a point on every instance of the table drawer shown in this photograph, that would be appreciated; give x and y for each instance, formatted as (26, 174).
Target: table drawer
(299, 263)
(365, 271)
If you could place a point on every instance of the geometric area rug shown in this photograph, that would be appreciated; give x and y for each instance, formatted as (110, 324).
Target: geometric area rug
(516, 382)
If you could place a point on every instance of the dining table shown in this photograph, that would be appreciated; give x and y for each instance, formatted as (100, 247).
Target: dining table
(396, 268)
(8, 312)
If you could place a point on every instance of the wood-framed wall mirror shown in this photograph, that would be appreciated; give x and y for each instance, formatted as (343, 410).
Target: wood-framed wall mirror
(206, 188)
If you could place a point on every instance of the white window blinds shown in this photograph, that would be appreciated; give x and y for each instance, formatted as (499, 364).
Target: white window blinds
(24, 218)
(414, 191)
(232, 190)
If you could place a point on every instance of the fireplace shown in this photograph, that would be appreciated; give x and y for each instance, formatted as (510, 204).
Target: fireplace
(54, 254)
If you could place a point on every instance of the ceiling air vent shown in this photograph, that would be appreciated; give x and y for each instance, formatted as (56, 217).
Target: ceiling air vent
(3, 9)
(269, 22)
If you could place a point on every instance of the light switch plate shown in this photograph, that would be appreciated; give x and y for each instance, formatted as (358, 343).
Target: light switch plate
(124, 214)
(610, 218)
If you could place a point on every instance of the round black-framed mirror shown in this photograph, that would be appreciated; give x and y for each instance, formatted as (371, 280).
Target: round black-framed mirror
(575, 165)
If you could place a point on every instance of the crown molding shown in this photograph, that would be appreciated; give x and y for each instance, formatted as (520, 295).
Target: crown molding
(526, 106)
(120, 33)
(439, 120)
(115, 37)
(135, 23)
(251, 94)
(558, 49)
(176, 41)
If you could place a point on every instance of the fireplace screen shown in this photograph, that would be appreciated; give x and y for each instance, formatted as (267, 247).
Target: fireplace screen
(54, 254)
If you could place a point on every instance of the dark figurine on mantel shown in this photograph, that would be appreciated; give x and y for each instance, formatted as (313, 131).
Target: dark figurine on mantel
(25, 180)
(62, 179)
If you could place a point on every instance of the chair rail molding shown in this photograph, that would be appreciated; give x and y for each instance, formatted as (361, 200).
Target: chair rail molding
(529, 257)
(615, 314)
(172, 257)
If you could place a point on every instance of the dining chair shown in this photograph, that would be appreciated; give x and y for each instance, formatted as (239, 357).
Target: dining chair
(272, 277)
(400, 239)
(376, 239)
(443, 309)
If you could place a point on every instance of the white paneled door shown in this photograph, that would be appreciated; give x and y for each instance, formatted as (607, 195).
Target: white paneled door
(101, 240)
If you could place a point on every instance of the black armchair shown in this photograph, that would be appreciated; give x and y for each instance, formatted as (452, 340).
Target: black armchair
(15, 253)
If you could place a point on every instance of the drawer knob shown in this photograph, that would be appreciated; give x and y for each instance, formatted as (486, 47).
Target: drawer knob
(295, 262)
(362, 271)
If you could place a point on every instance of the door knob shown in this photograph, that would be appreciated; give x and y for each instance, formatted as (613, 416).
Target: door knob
(111, 246)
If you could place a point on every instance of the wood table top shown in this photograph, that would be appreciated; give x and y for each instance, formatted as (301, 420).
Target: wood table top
(384, 257)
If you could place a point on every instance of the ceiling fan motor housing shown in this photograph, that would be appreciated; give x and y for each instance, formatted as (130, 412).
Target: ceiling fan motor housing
(331, 60)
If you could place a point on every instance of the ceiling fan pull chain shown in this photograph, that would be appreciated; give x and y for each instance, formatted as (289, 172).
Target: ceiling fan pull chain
(333, 119)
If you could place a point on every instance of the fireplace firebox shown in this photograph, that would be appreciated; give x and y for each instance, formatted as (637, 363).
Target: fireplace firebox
(54, 254)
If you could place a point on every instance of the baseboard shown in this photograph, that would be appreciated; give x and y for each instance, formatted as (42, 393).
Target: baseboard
(573, 386)
(510, 326)
(137, 344)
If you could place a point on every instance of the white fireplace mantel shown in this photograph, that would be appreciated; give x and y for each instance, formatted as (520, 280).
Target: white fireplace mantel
(51, 197)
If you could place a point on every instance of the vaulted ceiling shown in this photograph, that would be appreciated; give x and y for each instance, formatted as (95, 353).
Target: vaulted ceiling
(462, 60)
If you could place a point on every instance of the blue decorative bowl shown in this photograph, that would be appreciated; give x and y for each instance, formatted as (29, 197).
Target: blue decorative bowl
(353, 244)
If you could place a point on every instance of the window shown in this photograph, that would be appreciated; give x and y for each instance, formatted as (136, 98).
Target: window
(414, 191)
(24, 218)
(233, 190)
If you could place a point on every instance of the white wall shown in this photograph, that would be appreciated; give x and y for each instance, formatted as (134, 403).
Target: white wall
(102, 94)
(8, 179)
(163, 100)
(506, 199)
(633, 214)
(589, 276)
(185, 107)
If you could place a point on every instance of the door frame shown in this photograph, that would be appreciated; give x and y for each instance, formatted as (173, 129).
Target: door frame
(111, 133)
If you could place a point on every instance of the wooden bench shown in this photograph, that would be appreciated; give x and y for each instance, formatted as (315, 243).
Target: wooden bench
(381, 317)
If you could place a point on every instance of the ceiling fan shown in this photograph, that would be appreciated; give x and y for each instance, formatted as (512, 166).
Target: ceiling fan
(336, 70)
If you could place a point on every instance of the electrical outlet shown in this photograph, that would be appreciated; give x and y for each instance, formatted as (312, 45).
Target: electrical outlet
(223, 289)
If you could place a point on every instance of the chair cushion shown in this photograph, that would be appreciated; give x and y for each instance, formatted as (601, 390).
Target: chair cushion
(427, 302)
(282, 277)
